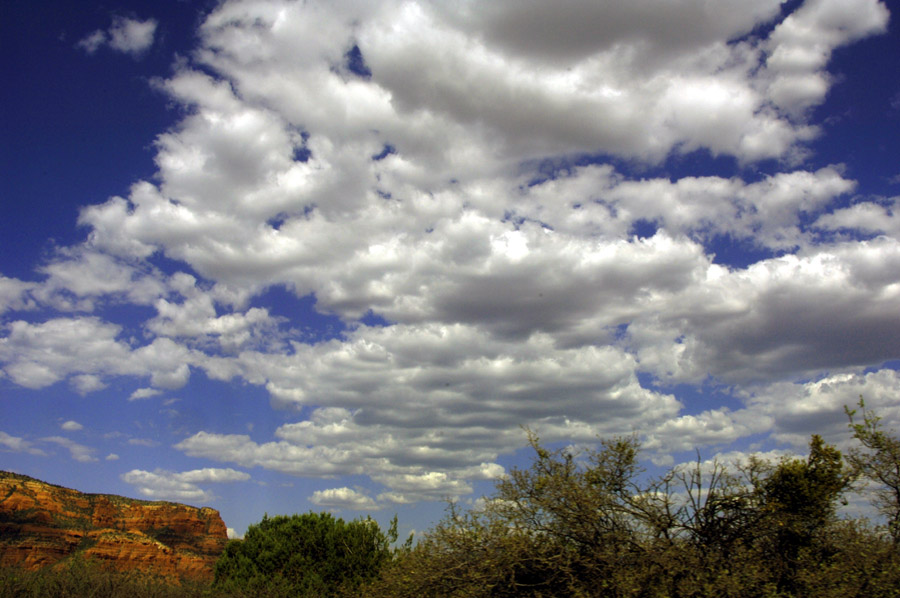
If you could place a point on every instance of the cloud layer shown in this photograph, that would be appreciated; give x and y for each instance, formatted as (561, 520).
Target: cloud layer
(462, 189)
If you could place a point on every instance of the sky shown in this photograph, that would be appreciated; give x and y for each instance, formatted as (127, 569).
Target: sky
(273, 256)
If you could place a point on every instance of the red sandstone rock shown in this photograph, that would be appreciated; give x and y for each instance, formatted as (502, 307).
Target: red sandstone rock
(42, 524)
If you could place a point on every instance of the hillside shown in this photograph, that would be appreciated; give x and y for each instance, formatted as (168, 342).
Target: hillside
(43, 524)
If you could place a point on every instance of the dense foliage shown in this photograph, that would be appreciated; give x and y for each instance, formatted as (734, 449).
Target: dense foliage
(314, 554)
(586, 526)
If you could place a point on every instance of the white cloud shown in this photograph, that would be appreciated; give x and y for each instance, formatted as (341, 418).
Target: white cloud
(79, 452)
(38, 355)
(801, 45)
(14, 295)
(71, 426)
(795, 315)
(86, 383)
(130, 36)
(437, 405)
(16, 444)
(79, 276)
(195, 319)
(866, 217)
(144, 393)
(343, 499)
(93, 41)
(798, 410)
(184, 486)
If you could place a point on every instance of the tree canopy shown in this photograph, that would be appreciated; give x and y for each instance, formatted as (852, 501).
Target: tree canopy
(314, 554)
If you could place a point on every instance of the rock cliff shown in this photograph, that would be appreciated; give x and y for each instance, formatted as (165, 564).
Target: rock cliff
(42, 524)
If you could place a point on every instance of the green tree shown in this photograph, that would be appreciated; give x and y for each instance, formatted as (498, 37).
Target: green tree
(313, 555)
(799, 499)
(878, 462)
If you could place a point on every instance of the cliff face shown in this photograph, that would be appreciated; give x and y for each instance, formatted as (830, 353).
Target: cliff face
(42, 524)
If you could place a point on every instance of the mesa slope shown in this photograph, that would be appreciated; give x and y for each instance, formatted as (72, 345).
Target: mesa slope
(42, 525)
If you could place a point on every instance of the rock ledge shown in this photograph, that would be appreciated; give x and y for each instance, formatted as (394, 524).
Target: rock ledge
(42, 524)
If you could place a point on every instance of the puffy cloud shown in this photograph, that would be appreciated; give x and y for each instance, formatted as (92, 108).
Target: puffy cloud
(576, 30)
(718, 427)
(195, 319)
(127, 35)
(868, 217)
(86, 383)
(71, 426)
(79, 276)
(14, 295)
(493, 84)
(801, 45)
(343, 498)
(79, 452)
(421, 409)
(798, 410)
(17, 444)
(38, 355)
(183, 486)
(799, 314)
(144, 393)
(93, 41)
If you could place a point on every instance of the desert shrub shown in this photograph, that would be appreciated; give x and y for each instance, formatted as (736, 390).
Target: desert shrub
(80, 578)
(591, 525)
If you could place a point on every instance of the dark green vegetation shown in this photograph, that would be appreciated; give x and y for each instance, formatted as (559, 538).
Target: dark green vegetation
(80, 578)
(583, 526)
(312, 555)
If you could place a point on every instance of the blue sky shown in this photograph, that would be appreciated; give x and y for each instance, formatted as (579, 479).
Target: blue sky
(275, 256)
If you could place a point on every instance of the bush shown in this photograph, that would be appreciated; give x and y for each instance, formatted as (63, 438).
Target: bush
(80, 578)
(591, 525)
(314, 555)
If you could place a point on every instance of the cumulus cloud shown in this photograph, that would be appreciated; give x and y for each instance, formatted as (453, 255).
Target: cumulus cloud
(14, 295)
(38, 355)
(868, 217)
(78, 277)
(16, 444)
(183, 486)
(78, 452)
(126, 35)
(144, 393)
(71, 426)
(343, 499)
(800, 47)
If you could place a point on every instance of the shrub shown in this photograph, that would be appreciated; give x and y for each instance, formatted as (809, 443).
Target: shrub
(80, 578)
(313, 554)
(591, 525)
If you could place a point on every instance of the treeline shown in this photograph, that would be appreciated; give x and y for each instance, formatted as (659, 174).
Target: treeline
(592, 525)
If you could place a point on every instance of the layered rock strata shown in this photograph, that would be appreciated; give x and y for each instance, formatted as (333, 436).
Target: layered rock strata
(42, 524)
